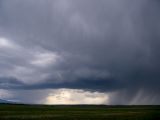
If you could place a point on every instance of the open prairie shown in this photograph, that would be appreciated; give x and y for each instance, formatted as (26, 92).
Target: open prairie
(78, 112)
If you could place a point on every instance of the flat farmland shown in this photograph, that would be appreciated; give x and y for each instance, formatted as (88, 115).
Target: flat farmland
(78, 112)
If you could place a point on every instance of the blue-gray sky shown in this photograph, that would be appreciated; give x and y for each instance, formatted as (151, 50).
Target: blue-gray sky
(106, 51)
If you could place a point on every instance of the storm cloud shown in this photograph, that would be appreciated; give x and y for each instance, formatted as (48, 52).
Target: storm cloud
(106, 46)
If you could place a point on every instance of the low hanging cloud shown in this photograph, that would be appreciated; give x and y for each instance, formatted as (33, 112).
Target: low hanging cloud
(68, 96)
(106, 46)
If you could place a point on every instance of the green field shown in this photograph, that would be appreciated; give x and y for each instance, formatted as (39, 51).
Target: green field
(78, 112)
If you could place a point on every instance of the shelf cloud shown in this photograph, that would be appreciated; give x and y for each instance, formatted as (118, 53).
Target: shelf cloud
(109, 47)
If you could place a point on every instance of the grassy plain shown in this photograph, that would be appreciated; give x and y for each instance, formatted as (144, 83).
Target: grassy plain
(78, 112)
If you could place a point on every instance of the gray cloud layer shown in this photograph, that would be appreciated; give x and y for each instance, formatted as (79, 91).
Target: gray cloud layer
(107, 46)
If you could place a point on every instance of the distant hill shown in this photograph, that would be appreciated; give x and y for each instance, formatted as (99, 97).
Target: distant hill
(6, 101)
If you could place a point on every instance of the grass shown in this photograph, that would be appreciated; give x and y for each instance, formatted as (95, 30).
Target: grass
(78, 112)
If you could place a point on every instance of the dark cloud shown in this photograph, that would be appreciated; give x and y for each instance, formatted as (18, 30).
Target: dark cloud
(109, 46)
(7, 83)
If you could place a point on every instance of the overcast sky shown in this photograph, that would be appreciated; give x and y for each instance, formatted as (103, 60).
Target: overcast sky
(80, 51)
